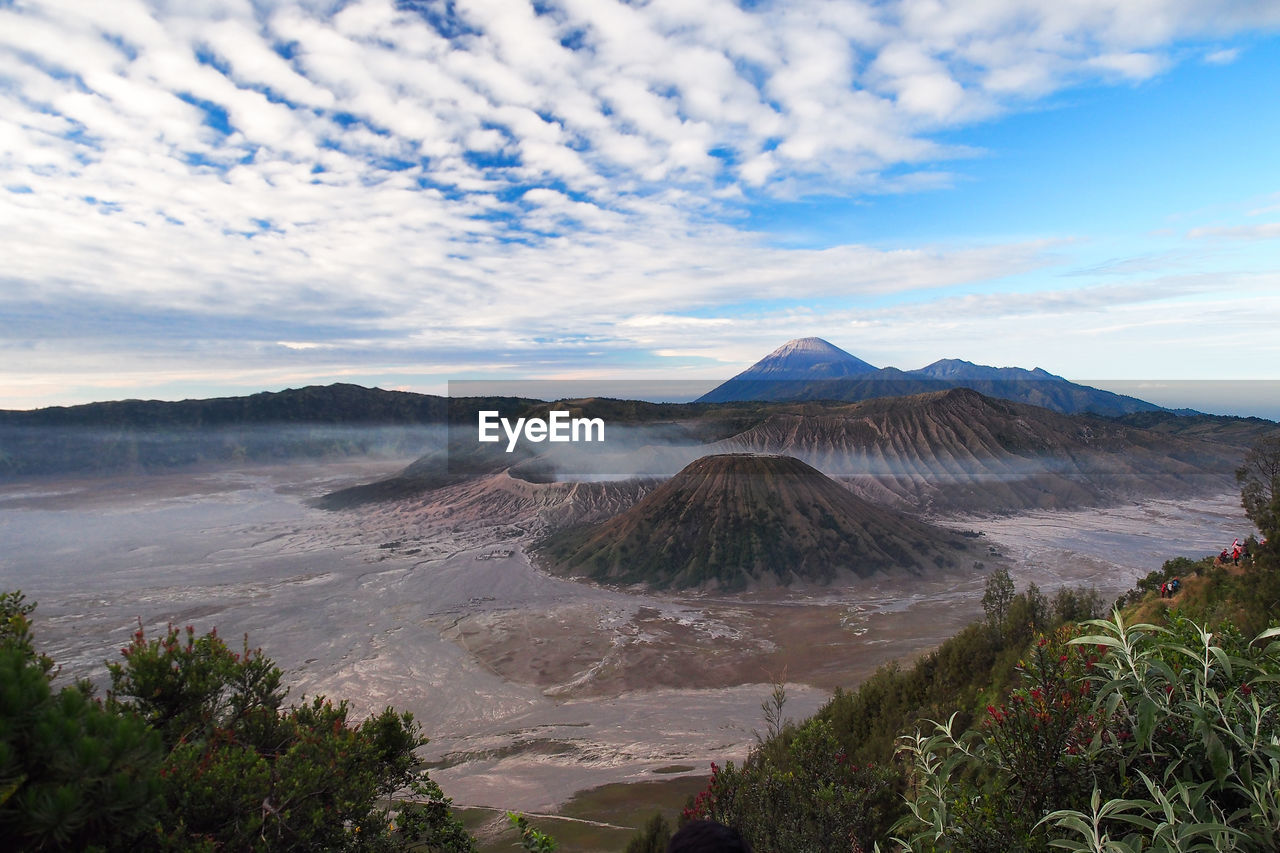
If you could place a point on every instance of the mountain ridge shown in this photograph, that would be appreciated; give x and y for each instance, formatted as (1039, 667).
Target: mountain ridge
(961, 450)
(780, 377)
(958, 368)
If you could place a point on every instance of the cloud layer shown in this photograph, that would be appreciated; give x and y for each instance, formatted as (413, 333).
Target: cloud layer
(292, 189)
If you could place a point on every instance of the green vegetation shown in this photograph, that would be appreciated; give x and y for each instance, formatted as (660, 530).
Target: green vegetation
(193, 749)
(1134, 737)
(1100, 736)
(812, 797)
(1259, 479)
(531, 839)
(1042, 728)
(73, 774)
(833, 779)
(653, 838)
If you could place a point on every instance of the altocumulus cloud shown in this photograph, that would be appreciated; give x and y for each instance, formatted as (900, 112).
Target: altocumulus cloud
(412, 185)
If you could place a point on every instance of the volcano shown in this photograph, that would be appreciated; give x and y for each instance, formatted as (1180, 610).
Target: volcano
(813, 369)
(736, 520)
(800, 360)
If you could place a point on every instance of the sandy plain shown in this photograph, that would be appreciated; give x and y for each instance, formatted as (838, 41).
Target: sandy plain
(531, 687)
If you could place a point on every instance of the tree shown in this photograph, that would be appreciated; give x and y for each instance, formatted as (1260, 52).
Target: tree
(15, 627)
(243, 774)
(73, 774)
(1259, 479)
(997, 597)
(1078, 604)
(193, 750)
(188, 689)
(653, 837)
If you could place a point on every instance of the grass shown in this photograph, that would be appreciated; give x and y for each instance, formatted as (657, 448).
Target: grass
(598, 819)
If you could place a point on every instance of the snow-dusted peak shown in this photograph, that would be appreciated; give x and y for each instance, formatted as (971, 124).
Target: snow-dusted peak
(808, 345)
(807, 359)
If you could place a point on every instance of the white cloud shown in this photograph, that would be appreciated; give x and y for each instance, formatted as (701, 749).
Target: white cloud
(1226, 56)
(1134, 65)
(1263, 231)
(582, 160)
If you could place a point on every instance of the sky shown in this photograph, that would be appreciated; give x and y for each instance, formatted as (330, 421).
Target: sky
(216, 197)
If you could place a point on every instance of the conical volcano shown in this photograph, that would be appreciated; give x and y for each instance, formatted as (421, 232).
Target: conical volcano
(800, 360)
(734, 520)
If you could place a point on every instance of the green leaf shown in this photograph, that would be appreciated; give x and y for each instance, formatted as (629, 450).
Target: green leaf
(1146, 720)
(1267, 635)
(1097, 640)
(1219, 758)
(9, 790)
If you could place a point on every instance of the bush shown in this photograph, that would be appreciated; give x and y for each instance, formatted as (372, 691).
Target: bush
(192, 750)
(73, 776)
(817, 800)
(1167, 741)
(652, 838)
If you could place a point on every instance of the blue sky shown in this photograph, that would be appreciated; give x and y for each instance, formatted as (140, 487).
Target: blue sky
(217, 197)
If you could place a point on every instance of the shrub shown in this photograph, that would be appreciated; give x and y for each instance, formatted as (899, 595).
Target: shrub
(1168, 741)
(192, 750)
(814, 800)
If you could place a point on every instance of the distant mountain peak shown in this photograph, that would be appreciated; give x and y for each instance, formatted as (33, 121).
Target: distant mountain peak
(809, 345)
(959, 369)
(806, 358)
(815, 369)
(814, 347)
(802, 360)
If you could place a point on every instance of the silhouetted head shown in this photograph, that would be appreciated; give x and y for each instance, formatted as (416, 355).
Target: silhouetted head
(707, 836)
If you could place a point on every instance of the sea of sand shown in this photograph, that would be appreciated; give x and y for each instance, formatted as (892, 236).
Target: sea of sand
(530, 687)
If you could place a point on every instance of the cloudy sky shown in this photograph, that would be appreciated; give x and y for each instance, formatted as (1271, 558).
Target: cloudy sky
(209, 197)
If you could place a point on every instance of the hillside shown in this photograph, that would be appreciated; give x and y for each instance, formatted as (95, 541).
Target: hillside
(330, 404)
(315, 422)
(1225, 429)
(944, 451)
(959, 450)
(732, 520)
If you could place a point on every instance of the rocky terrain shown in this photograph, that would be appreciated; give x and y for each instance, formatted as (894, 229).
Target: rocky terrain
(732, 521)
(961, 451)
(419, 592)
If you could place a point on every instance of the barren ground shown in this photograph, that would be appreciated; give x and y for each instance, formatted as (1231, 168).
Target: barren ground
(531, 687)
